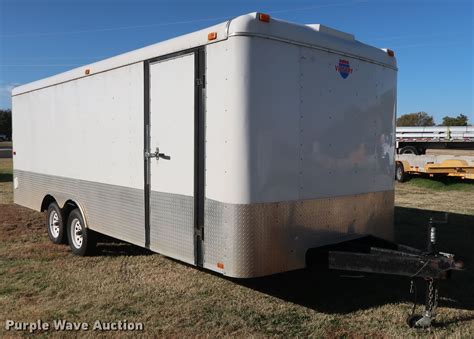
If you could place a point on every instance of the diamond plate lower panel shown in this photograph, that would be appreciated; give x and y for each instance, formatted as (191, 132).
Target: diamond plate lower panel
(261, 239)
(251, 240)
(172, 225)
(109, 209)
(214, 237)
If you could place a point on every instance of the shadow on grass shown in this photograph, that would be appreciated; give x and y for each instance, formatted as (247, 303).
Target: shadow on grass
(337, 292)
(6, 177)
(107, 246)
(334, 292)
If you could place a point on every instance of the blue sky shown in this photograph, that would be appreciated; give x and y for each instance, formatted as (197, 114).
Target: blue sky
(432, 39)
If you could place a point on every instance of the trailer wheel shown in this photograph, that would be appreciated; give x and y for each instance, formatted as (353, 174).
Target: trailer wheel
(400, 174)
(409, 150)
(54, 224)
(81, 240)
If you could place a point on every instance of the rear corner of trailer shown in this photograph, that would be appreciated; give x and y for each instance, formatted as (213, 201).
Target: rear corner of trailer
(316, 116)
(21, 132)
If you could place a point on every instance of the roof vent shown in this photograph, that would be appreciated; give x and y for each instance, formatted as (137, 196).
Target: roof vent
(331, 31)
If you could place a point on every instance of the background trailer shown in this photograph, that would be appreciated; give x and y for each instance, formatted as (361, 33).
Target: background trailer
(237, 148)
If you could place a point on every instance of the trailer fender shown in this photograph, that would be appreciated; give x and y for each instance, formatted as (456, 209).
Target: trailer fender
(406, 165)
(75, 202)
(63, 200)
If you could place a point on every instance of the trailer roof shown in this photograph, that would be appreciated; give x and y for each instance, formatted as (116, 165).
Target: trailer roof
(312, 35)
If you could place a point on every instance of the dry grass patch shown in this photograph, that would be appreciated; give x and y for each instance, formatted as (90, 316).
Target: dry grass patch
(457, 200)
(6, 177)
(6, 192)
(39, 280)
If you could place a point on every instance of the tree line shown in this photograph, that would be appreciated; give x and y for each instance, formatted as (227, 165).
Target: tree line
(6, 122)
(424, 119)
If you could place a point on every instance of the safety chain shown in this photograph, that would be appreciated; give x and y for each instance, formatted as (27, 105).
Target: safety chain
(413, 291)
(432, 298)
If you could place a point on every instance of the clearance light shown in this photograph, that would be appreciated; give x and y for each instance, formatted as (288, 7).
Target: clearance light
(264, 17)
(87, 71)
(212, 36)
(390, 53)
(220, 265)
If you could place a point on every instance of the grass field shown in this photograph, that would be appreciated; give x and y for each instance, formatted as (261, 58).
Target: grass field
(6, 177)
(39, 280)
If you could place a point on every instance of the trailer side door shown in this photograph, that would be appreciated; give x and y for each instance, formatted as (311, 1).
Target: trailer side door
(174, 155)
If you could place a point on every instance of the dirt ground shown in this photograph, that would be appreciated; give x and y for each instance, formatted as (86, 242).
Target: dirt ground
(39, 280)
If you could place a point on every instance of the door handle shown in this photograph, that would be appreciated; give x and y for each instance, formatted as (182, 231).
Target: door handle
(157, 155)
(164, 156)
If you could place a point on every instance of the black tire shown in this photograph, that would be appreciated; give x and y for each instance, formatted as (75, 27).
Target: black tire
(55, 224)
(81, 240)
(409, 150)
(400, 174)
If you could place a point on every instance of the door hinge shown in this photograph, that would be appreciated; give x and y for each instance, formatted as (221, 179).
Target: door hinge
(199, 232)
(200, 81)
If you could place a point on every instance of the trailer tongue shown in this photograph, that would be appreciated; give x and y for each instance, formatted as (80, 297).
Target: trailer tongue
(374, 255)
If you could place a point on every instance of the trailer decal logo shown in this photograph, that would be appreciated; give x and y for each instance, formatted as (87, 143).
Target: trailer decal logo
(344, 68)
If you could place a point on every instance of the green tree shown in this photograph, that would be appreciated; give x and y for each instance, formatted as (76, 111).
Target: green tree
(460, 120)
(415, 119)
(6, 122)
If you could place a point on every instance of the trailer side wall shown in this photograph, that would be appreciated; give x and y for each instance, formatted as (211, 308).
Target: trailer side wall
(83, 140)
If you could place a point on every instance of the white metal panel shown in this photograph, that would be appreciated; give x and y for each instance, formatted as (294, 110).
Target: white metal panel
(172, 124)
(273, 126)
(89, 129)
(346, 126)
(227, 121)
(293, 128)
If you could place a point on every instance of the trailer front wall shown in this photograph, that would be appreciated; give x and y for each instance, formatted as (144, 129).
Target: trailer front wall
(297, 156)
(83, 140)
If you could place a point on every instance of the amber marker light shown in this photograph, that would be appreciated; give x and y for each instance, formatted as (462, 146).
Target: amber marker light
(263, 17)
(390, 53)
(87, 71)
(212, 36)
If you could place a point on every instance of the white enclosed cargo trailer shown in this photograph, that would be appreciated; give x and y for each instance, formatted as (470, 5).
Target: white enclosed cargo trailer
(236, 148)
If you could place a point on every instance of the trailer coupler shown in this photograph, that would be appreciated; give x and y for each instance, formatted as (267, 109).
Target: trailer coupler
(390, 258)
